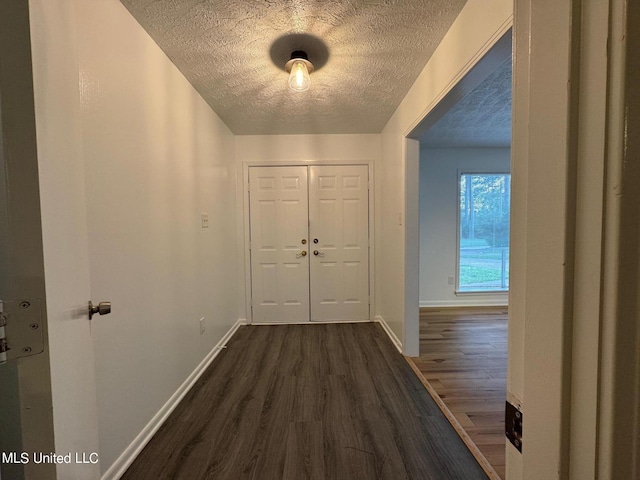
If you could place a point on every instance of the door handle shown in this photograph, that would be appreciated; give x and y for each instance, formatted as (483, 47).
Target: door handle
(103, 308)
(318, 254)
(301, 254)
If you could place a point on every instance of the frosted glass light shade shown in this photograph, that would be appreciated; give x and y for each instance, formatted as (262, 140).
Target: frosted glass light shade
(299, 80)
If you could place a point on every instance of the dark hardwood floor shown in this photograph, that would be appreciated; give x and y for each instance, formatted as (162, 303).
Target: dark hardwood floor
(463, 357)
(323, 401)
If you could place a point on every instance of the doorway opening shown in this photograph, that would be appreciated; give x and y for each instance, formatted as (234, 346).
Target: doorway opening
(464, 199)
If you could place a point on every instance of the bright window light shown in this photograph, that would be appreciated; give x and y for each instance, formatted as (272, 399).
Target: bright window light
(483, 243)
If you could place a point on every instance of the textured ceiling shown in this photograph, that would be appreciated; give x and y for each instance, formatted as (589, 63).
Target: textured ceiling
(375, 49)
(481, 119)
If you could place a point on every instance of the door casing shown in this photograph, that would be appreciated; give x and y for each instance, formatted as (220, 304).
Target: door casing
(247, 229)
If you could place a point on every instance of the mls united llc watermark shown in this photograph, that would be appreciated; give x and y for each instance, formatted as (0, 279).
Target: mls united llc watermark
(40, 457)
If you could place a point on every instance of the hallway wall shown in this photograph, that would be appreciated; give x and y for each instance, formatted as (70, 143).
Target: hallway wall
(130, 157)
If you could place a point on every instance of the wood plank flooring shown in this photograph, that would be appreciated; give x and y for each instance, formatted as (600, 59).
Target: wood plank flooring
(322, 401)
(463, 356)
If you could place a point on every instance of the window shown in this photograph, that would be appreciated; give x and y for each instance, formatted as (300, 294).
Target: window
(483, 243)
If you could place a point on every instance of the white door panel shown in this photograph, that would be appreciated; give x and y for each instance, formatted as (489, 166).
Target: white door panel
(279, 223)
(339, 221)
(292, 204)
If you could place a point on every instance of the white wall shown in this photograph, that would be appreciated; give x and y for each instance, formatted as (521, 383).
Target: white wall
(141, 149)
(269, 148)
(477, 28)
(294, 148)
(439, 170)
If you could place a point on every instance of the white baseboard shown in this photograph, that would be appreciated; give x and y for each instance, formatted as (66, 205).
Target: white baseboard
(311, 322)
(127, 457)
(466, 302)
(396, 341)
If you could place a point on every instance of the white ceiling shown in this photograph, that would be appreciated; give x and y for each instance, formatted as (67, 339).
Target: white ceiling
(481, 119)
(373, 52)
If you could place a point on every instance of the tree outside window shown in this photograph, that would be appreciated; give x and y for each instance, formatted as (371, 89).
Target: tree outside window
(483, 256)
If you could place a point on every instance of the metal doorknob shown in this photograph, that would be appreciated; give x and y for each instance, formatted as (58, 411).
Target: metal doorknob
(103, 308)
(303, 253)
(318, 254)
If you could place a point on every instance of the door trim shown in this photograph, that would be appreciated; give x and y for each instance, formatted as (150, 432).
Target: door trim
(246, 227)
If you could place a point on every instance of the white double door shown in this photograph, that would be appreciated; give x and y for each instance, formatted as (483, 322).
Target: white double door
(309, 228)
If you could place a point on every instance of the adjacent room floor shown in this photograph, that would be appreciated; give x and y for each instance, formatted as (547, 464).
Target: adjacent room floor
(463, 358)
(322, 401)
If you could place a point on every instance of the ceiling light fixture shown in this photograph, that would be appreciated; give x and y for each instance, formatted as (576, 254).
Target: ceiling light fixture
(299, 67)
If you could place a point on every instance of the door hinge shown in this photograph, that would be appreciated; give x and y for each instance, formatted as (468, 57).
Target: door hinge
(513, 425)
(20, 329)
(3, 338)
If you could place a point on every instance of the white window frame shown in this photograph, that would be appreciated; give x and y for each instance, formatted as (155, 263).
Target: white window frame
(467, 171)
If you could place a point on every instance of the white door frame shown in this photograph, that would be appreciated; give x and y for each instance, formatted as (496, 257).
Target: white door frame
(486, 59)
(580, 144)
(246, 227)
